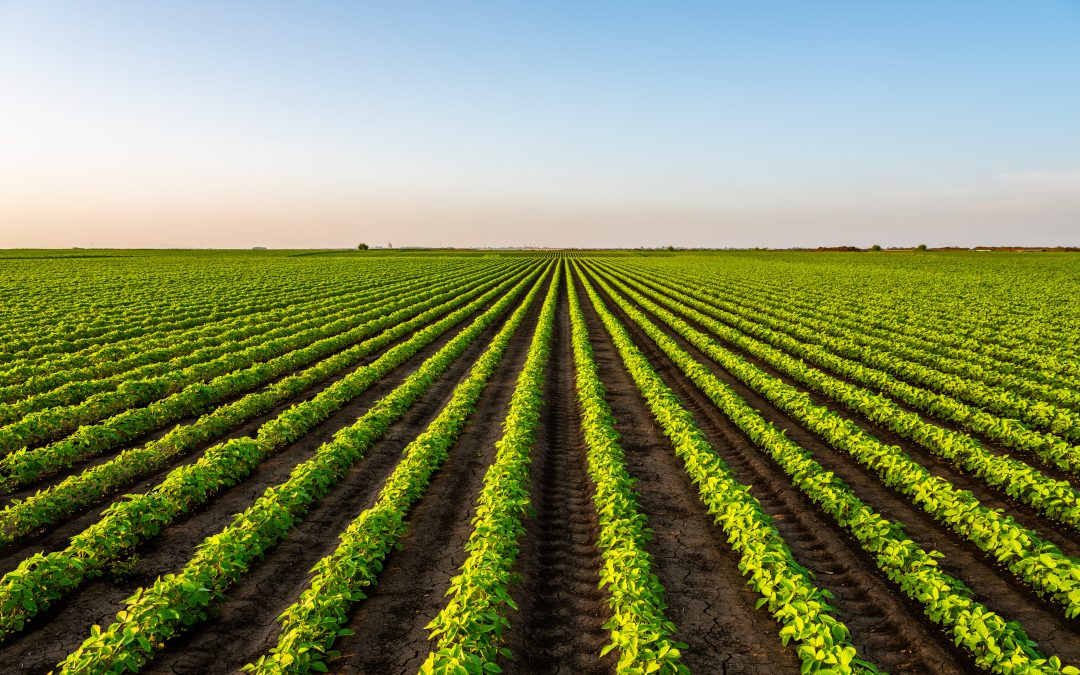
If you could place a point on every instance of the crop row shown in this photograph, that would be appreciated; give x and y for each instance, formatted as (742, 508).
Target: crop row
(1056, 499)
(1049, 417)
(966, 330)
(72, 299)
(823, 642)
(997, 644)
(177, 601)
(966, 363)
(42, 579)
(76, 492)
(49, 424)
(1009, 432)
(154, 326)
(24, 466)
(469, 630)
(65, 387)
(640, 631)
(310, 626)
(101, 355)
(22, 346)
(1034, 560)
(97, 297)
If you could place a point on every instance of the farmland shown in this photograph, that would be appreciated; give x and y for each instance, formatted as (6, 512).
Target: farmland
(406, 462)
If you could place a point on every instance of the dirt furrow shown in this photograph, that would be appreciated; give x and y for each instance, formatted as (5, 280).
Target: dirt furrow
(995, 587)
(245, 625)
(884, 626)
(707, 596)
(560, 625)
(65, 625)
(390, 634)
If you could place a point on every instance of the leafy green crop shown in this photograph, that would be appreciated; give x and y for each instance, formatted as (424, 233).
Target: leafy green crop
(996, 643)
(177, 601)
(41, 579)
(312, 624)
(786, 588)
(22, 518)
(640, 631)
(470, 628)
(1034, 560)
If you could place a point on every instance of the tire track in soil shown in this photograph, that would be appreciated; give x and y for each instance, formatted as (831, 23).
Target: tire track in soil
(707, 596)
(885, 627)
(560, 625)
(245, 625)
(56, 537)
(389, 626)
(997, 588)
(63, 627)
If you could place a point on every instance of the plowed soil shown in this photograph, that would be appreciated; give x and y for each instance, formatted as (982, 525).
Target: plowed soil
(562, 611)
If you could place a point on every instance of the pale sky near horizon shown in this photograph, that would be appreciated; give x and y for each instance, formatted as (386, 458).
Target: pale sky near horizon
(136, 124)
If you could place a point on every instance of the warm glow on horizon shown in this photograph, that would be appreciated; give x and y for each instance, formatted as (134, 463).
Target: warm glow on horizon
(126, 124)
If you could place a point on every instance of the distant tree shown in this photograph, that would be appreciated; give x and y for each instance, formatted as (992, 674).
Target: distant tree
(875, 247)
(922, 247)
(362, 247)
(670, 248)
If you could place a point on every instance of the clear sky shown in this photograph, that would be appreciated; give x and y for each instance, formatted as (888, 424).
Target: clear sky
(133, 123)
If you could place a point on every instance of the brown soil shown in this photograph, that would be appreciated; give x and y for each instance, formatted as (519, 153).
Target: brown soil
(559, 625)
(707, 596)
(64, 626)
(390, 634)
(995, 587)
(883, 627)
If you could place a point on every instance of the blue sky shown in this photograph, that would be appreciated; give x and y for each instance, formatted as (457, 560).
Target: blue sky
(592, 124)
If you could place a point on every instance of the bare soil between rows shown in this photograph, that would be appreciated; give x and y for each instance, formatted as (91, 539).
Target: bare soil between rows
(559, 627)
(63, 627)
(885, 628)
(390, 634)
(994, 586)
(55, 536)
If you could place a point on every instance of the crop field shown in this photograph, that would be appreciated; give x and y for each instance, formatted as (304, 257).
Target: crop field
(539, 462)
